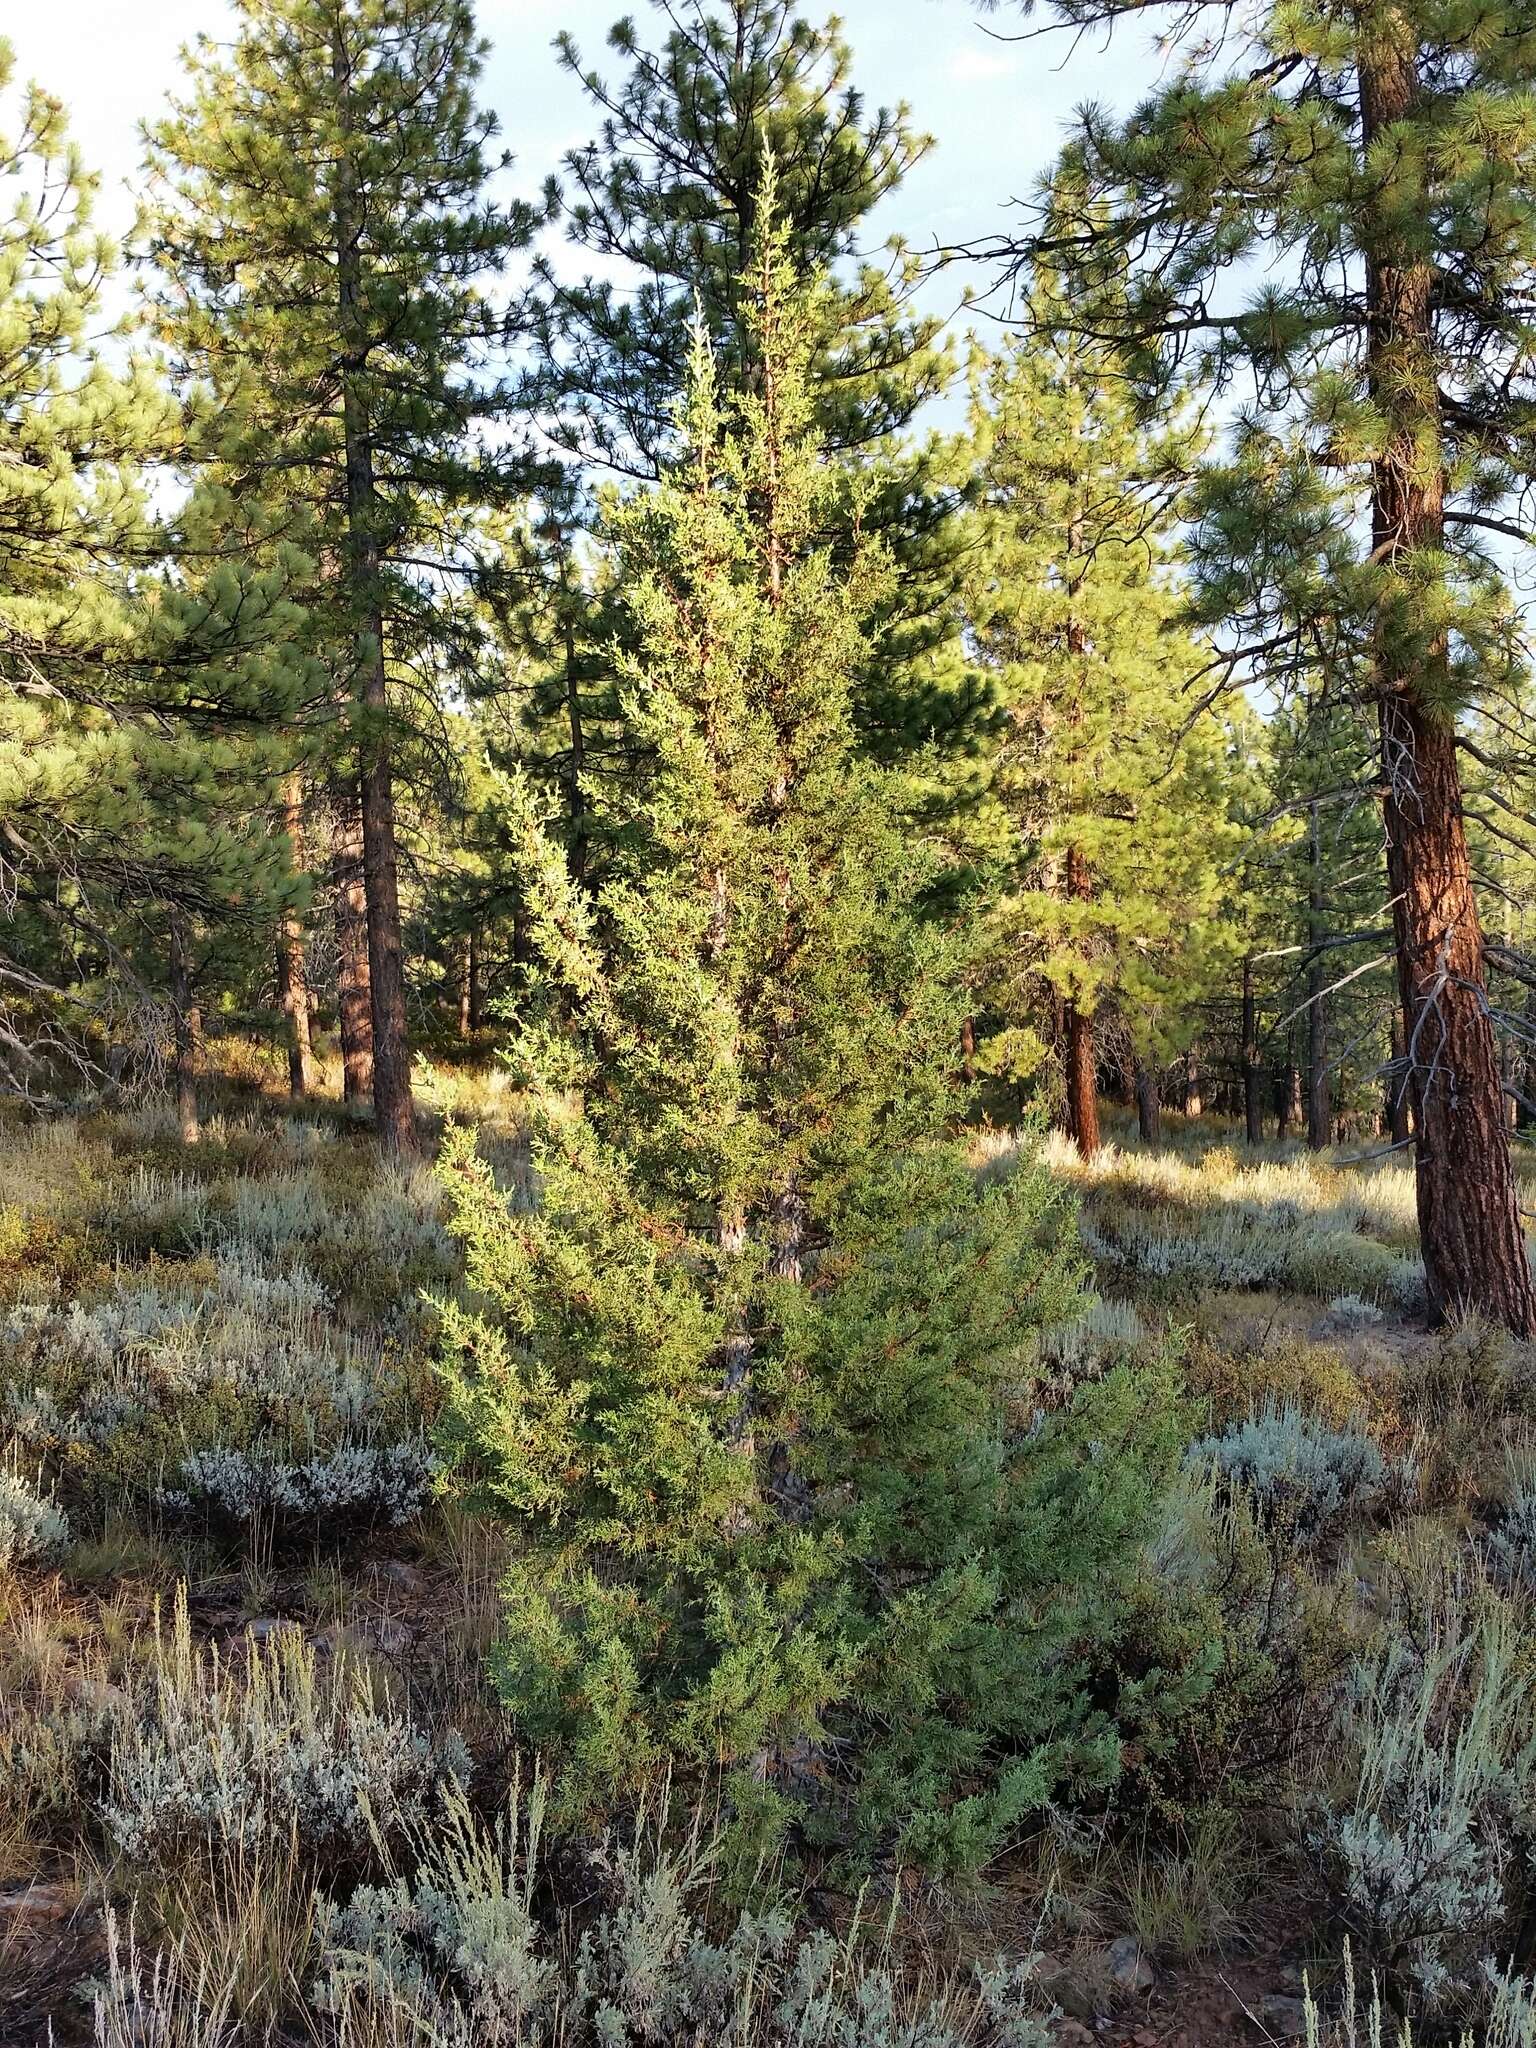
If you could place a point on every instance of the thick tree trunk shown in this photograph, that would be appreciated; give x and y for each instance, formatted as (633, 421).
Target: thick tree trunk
(292, 981)
(1253, 1075)
(1149, 1110)
(1319, 1088)
(354, 996)
(394, 1110)
(1469, 1220)
(184, 1036)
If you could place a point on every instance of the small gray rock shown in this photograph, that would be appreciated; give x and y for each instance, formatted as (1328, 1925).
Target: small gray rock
(1129, 1969)
(1284, 2018)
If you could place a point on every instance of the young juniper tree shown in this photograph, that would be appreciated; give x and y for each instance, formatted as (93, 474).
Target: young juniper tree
(1108, 792)
(1371, 163)
(324, 245)
(743, 1379)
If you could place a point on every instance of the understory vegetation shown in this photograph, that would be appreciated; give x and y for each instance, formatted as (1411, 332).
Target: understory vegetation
(265, 1778)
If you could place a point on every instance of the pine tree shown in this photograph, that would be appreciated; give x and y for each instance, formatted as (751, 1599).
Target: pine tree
(1371, 165)
(323, 243)
(132, 688)
(742, 1378)
(1109, 798)
(665, 202)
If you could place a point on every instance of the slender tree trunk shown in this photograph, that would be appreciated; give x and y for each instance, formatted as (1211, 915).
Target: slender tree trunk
(394, 1110)
(467, 986)
(292, 981)
(1082, 1056)
(1469, 1219)
(1399, 1124)
(476, 992)
(1319, 1087)
(1149, 1110)
(1194, 1098)
(183, 1035)
(354, 997)
(1253, 1074)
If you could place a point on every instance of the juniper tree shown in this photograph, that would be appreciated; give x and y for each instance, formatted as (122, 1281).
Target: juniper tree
(1109, 790)
(324, 239)
(1332, 205)
(741, 1379)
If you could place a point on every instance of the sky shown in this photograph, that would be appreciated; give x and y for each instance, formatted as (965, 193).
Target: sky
(997, 108)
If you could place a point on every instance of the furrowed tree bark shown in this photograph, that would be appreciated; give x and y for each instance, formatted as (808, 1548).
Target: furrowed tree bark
(466, 985)
(292, 981)
(1469, 1220)
(1399, 1128)
(1319, 1091)
(1253, 1073)
(354, 995)
(184, 1037)
(394, 1109)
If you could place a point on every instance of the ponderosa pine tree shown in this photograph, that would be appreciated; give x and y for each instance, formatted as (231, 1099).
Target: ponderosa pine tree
(744, 1379)
(1371, 164)
(131, 788)
(324, 244)
(1109, 799)
(665, 201)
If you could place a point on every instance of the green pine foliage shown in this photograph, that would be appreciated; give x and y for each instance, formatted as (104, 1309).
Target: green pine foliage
(1108, 823)
(751, 1380)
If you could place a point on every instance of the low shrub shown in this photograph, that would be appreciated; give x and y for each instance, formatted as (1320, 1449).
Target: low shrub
(32, 1529)
(1305, 1481)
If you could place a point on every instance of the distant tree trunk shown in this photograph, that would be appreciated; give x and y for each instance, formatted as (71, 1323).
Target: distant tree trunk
(467, 985)
(394, 1110)
(1319, 1093)
(1399, 1124)
(1469, 1216)
(354, 998)
(1082, 1058)
(183, 1035)
(292, 982)
(476, 1003)
(1288, 1104)
(1149, 1111)
(1193, 1095)
(1253, 1077)
(1525, 1114)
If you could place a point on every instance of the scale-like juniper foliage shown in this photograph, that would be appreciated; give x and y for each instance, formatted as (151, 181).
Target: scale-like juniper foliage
(751, 1379)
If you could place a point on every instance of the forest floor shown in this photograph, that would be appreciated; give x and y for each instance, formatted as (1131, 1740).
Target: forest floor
(253, 1650)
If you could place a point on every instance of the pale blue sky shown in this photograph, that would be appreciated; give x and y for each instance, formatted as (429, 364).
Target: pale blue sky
(997, 109)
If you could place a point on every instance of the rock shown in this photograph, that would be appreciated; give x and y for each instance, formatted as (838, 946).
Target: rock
(1282, 2017)
(1074, 2034)
(39, 1902)
(1129, 1969)
(410, 1578)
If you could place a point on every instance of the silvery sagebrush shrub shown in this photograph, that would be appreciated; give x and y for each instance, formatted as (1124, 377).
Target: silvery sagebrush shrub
(1425, 1856)
(32, 1529)
(1353, 2021)
(1510, 1548)
(1349, 1312)
(1302, 1477)
(235, 1759)
(457, 1953)
(352, 1483)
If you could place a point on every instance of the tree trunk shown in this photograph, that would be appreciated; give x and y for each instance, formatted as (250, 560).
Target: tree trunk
(1082, 1059)
(1469, 1219)
(476, 1002)
(354, 997)
(1149, 1111)
(183, 1035)
(1319, 1091)
(1253, 1076)
(466, 986)
(394, 1110)
(1194, 1099)
(292, 982)
(1399, 1125)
